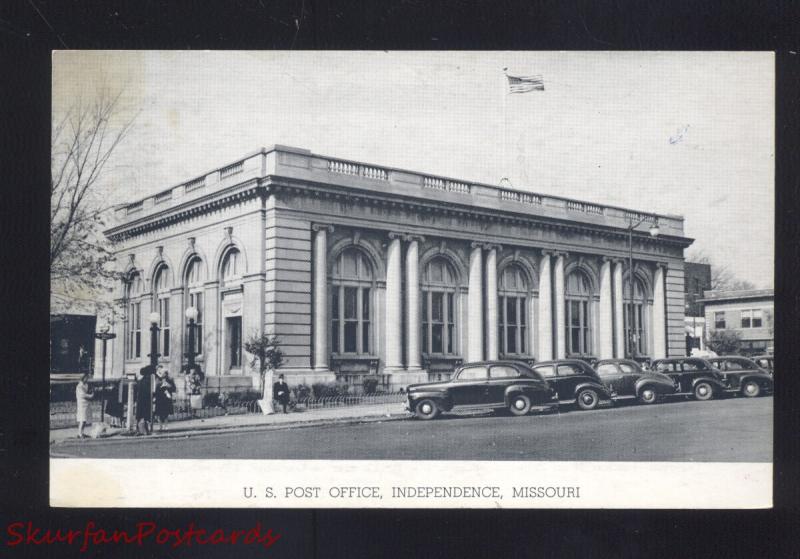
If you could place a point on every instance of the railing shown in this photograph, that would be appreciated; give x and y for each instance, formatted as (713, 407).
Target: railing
(584, 207)
(357, 170)
(135, 208)
(636, 217)
(231, 170)
(196, 184)
(523, 197)
(445, 185)
(163, 197)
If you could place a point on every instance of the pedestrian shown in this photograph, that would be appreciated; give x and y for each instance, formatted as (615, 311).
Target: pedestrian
(165, 391)
(83, 398)
(144, 401)
(280, 392)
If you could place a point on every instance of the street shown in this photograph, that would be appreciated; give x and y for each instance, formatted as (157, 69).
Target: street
(728, 430)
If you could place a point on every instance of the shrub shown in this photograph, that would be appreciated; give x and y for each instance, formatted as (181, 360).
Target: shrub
(211, 400)
(724, 342)
(370, 385)
(329, 389)
(300, 392)
(241, 397)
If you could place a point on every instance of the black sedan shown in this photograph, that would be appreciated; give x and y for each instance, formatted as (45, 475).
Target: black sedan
(693, 376)
(490, 384)
(624, 378)
(574, 381)
(743, 376)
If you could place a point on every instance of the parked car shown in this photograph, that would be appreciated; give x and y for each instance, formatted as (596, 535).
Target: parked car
(766, 362)
(743, 376)
(489, 384)
(624, 378)
(574, 381)
(693, 376)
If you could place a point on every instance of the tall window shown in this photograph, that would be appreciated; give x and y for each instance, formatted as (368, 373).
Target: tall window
(438, 308)
(513, 311)
(194, 298)
(133, 347)
(232, 267)
(636, 334)
(351, 303)
(578, 320)
(719, 320)
(161, 306)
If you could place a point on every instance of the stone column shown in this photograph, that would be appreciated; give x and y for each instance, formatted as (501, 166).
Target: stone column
(475, 318)
(394, 304)
(558, 285)
(619, 309)
(545, 310)
(320, 312)
(659, 315)
(606, 312)
(491, 302)
(413, 323)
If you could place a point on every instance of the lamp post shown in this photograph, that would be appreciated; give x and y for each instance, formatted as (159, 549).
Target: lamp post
(104, 335)
(154, 319)
(654, 231)
(191, 316)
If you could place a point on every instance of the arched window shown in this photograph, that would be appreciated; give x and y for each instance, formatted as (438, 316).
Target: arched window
(637, 339)
(578, 333)
(231, 276)
(161, 306)
(194, 298)
(438, 288)
(133, 326)
(513, 311)
(351, 303)
(232, 267)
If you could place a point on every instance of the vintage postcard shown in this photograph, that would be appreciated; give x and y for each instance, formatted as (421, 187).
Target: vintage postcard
(412, 279)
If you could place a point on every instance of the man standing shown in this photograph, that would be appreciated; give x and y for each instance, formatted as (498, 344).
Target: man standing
(144, 401)
(280, 392)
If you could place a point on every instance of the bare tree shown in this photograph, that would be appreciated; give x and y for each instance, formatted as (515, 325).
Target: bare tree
(722, 278)
(83, 142)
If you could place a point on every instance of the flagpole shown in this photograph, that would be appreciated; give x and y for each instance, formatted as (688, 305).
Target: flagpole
(504, 162)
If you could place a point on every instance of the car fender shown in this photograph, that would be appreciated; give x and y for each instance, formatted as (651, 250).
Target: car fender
(525, 389)
(762, 380)
(441, 397)
(599, 388)
(661, 386)
(712, 381)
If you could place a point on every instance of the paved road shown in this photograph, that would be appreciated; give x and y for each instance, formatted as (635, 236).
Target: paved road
(735, 429)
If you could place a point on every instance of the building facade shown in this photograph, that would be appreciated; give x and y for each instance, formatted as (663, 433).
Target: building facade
(697, 280)
(366, 270)
(750, 313)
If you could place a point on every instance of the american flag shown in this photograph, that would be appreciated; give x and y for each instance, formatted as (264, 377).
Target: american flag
(524, 84)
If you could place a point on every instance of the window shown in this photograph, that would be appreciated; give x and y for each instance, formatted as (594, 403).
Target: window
(691, 366)
(194, 298)
(232, 267)
(752, 318)
(627, 368)
(547, 371)
(607, 369)
(473, 373)
(569, 370)
(351, 303)
(635, 334)
(719, 320)
(504, 371)
(664, 367)
(513, 311)
(233, 325)
(578, 319)
(438, 308)
(161, 306)
(133, 346)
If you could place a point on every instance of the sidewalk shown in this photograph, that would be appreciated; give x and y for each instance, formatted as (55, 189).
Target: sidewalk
(249, 422)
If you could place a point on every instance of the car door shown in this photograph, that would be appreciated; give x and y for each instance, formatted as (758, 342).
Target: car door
(630, 375)
(548, 373)
(500, 377)
(470, 386)
(670, 369)
(612, 377)
(569, 375)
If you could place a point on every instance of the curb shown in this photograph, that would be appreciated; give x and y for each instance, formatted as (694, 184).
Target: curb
(212, 430)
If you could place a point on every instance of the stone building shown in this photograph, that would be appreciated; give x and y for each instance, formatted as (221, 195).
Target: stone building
(368, 270)
(750, 313)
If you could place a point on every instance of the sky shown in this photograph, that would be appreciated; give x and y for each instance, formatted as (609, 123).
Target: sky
(690, 134)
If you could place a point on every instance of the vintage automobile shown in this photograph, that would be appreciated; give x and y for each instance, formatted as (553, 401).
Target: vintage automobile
(624, 378)
(766, 362)
(488, 384)
(693, 376)
(743, 376)
(574, 381)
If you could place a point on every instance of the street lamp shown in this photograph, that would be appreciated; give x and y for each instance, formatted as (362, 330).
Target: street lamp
(104, 335)
(154, 319)
(654, 231)
(191, 316)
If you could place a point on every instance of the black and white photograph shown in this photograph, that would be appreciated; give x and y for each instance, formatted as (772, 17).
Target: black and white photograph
(466, 279)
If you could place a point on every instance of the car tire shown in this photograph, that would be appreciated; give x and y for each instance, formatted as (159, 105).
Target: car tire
(648, 396)
(751, 389)
(588, 399)
(703, 391)
(519, 405)
(427, 409)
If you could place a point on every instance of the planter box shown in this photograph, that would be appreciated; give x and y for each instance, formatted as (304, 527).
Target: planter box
(196, 401)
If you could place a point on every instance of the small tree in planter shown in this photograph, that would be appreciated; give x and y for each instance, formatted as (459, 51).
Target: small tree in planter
(267, 354)
(194, 384)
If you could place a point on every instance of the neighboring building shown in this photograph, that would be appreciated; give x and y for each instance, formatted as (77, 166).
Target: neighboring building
(697, 281)
(750, 313)
(367, 270)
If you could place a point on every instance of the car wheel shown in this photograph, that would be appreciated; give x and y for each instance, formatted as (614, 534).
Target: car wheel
(588, 399)
(426, 409)
(703, 391)
(751, 389)
(648, 396)
(519, 405)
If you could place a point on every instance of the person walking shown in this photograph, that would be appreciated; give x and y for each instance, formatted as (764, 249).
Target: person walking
(83, 398)
(165, 390)
(144, 401)
(280, 392)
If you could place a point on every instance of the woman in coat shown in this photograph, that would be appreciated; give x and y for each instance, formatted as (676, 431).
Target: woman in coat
(144, 401)
(165, 390)
(83, 397)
